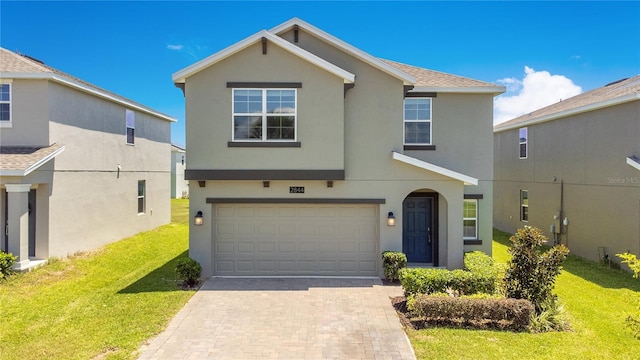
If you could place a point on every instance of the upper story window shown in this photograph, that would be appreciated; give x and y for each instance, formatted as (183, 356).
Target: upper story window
(131, 126)
(417, 121)
(5, 103)
(523, 141)
(264, 114)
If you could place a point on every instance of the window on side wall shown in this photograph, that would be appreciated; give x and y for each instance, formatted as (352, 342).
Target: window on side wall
(417, 121)
(142, 184)
(470, 219)
(264, 115)
(5, 104)
(524, 205)
(523, 142)
(131, 125)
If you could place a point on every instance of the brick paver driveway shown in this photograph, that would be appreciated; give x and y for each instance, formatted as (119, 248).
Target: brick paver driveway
(292, 318)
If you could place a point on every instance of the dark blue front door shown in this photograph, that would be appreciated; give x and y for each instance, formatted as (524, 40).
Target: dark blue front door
(417, 227)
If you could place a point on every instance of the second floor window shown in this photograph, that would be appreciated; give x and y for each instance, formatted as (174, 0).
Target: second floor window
(5, 102)
(523, 141)
(264, 114)
(417, 121)
(131, 126)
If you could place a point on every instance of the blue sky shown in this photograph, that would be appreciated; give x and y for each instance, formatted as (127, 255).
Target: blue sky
(542, 51)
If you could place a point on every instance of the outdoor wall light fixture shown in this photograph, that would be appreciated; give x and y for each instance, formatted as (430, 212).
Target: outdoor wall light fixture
(391, 219)
(198, 219)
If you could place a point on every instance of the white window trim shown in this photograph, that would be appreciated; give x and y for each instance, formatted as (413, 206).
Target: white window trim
(522, 205)
(264, 116)
(404, 121)
(475, 237)
(143, 197)
(8, 123)
(525, 142)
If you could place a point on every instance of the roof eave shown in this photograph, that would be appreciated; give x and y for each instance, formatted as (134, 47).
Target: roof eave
(570, 112)
(371, 60)
(495, 90)
(181, 75)
(33, 167)
(467, 180)
(634, 162)
(84, 88)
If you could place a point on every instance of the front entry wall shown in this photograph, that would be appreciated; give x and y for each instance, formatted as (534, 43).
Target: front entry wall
(295, 239)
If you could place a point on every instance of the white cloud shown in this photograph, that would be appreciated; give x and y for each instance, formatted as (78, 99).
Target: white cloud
(537, 90)
(175, 47)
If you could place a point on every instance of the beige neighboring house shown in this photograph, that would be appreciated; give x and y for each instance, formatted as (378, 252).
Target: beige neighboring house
(308, 156)
(572, 169)
(80, 167)
(179, 186)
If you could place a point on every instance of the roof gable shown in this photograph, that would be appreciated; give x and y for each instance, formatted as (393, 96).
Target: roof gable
(181, 75)
(467, 180)
(406, 78)
(615, 93)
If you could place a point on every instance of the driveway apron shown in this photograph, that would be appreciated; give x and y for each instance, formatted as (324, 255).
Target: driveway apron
(278, 318)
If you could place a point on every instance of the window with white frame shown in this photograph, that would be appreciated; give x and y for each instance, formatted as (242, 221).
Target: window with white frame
(523, 142)
(131, 126)
(5, 103)
(524, 205)
(417, 121)
(264, 114)
(142, 185)
(470, 219)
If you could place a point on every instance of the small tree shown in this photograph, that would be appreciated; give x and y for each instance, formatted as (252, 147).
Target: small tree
(531, 273)
(189, 270)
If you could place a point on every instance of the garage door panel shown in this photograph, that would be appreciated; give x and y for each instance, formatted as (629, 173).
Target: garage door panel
(295, 239)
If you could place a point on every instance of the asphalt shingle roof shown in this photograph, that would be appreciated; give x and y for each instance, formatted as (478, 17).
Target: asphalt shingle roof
(427, 78)
(603, 94)
(23, 157)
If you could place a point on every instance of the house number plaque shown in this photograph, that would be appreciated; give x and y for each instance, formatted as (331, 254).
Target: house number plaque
(296, 189)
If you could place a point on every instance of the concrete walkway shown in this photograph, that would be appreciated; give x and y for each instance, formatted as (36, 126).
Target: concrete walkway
(291, 318)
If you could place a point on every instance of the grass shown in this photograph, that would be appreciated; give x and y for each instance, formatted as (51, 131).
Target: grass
(597, 299)
(98, 305)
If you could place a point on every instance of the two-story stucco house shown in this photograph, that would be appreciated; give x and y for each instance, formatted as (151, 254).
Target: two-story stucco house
(308, 156)
(179, 186)
(79, 166)
(572, 169)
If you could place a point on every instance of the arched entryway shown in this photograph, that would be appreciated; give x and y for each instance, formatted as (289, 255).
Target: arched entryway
(420, 227)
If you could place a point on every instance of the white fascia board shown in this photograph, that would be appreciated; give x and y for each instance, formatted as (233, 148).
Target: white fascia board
(350, 49)
(33, 167)
(467, 180)
(495, 90)
(84, 88)
(633, 161)
(570, 112)
(181, 75)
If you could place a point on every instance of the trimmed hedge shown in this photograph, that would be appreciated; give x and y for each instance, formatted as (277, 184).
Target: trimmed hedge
(500, 314)
(392, 262)
(6, 263)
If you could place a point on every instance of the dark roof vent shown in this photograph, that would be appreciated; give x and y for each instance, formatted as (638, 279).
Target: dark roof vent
(33, 59)
(615, 82)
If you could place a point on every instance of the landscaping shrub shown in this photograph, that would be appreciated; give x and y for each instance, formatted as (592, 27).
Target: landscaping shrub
(6, 262)
(189, 270)
(429, 281)
(633, 320)
(392, 262)
(484, 270)
(531, 273)
(502, 314)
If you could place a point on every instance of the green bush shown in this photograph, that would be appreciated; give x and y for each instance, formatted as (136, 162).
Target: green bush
(430, 281)
(189, 270)
(6, 262)
(484, 270)
(633, 320)
(531, 273)
(392, 262)
(501, 314)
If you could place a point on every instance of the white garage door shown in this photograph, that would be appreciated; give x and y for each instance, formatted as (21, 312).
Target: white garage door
(295, 239)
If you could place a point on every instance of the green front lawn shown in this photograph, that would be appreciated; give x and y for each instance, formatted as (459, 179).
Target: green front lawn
(102, 304)
(596, 298)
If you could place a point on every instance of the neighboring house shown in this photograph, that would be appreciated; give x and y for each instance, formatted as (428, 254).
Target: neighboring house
(572, 169)
(303, 150)
(179, 186)
(79, 166)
